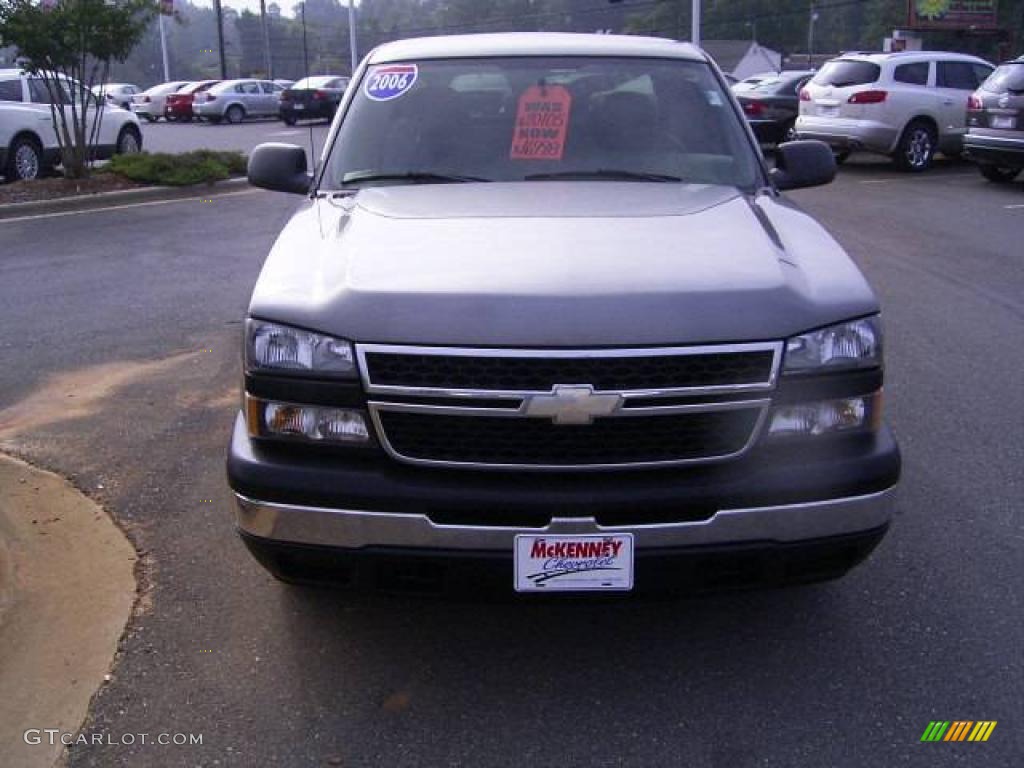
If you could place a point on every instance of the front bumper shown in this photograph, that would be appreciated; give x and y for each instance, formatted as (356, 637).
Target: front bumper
(781, 494)
(360, 529)
(489, 573)
(847, 134)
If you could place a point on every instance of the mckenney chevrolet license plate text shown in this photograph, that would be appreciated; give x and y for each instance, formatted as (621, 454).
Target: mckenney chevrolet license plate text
(563, 563)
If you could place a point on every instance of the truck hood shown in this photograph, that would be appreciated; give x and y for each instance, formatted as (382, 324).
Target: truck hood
(557, 264)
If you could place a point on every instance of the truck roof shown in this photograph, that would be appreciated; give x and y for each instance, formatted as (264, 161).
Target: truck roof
(533, 44)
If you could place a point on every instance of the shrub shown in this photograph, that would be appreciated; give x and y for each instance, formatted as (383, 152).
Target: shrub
(197, 167)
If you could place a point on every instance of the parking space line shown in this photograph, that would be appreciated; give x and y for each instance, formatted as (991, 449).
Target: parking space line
(120, 207)
(939, 177)
(1013, 207)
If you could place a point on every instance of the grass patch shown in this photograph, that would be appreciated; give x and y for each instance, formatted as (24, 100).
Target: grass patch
(201, 166)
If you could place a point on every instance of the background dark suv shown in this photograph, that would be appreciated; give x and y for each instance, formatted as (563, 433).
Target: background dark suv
(995, 123)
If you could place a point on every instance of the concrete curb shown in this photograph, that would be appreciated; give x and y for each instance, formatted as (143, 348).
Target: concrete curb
(120, 197)
(71, 590)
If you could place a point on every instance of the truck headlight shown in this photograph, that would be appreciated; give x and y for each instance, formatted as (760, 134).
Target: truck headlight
(266, 418)
(273, 347)
(856, 344)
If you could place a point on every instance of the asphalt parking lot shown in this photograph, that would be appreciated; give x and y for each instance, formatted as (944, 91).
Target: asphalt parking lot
(843, 674)
(162, 136)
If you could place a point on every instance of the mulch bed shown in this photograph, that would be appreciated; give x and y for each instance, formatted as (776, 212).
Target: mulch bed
(48, 189)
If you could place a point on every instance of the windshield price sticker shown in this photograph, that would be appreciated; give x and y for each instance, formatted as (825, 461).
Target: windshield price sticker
(542, 122)
(589, 562)
(390, 82)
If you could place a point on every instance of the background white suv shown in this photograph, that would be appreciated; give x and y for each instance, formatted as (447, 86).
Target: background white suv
(28, 142)
(906, 105)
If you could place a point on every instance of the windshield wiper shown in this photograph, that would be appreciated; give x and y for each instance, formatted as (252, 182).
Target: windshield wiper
(417, 177)
(611, 174)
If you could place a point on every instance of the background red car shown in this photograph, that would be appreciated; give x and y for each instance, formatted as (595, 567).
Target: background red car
(179, 104)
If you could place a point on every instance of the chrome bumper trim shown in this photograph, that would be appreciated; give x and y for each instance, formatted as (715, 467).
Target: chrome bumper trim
(992, 142)
(355, 529)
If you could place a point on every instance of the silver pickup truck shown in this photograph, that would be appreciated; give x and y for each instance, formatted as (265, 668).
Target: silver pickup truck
(545, 323)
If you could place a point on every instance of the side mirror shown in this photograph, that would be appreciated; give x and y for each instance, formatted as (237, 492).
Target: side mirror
(279, 167)
(804, 163)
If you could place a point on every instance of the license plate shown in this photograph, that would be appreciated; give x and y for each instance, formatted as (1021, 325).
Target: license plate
(584, 563)
(299, 106)
(1003, 122)
(828, 111)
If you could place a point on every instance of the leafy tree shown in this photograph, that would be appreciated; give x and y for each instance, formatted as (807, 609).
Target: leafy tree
(69, 45)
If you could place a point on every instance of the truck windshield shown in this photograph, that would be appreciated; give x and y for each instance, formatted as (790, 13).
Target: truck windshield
(539, 118)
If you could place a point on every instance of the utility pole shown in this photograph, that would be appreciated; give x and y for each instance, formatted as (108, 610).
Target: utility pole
(352, 34)
(810, 34)
(163, 48)
(695, 23)
(266, 40)
(220, 39)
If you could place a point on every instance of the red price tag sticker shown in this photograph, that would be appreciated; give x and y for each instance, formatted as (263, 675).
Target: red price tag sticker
(542, 121)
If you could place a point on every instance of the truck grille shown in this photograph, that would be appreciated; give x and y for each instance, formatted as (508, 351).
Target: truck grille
(539, 442)
(568, 409)
(461, 372)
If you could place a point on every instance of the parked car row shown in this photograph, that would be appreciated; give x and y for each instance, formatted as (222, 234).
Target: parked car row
(907, 105)
(28, 141)
(233, 101)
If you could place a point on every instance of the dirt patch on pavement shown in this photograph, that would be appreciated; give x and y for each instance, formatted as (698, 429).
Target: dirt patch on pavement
(79, 393)
(66, 592)
(49, 189)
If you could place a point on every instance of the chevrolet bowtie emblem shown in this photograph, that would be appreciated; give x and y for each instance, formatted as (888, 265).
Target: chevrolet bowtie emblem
(572, 404)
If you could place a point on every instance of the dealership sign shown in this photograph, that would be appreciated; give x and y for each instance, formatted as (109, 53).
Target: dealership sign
(952, 14)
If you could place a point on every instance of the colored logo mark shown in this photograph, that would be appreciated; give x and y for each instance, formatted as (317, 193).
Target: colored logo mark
(958, 730)
(390, 82)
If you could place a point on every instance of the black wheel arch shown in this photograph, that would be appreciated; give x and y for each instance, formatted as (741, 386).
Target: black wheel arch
(129, 128)
(927, 120)
(24, 133)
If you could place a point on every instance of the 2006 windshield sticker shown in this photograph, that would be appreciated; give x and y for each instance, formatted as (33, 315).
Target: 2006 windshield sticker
(542, 122)
(390, 82)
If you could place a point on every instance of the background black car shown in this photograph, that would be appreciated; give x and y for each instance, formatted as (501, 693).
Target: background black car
(995, 123)
(772, 103)
(313, 97)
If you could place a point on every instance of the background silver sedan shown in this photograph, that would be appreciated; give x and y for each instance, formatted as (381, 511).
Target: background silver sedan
(235, 100)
